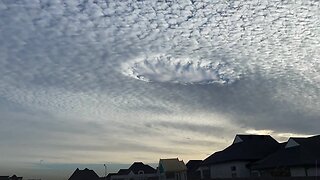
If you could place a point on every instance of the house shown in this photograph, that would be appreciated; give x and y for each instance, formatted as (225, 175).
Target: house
(108, 177)
(14, 177)
(85, 174)
(234, 160)
(297, 157)
(172, 169)
(137, 171)
(193, 169)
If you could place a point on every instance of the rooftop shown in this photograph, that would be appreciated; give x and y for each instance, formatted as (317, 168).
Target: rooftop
(245, 148)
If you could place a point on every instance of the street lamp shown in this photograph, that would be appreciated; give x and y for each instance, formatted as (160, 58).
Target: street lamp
(105, 171)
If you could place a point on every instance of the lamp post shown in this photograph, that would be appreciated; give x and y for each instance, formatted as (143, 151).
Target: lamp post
(105, 171)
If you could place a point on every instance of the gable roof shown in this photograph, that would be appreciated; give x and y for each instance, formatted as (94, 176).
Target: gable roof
(85, 174)
(193, 165)
(245, 148)
(123, 172)
(15, 177)
(171, 165)
(295, 152)
(135, 168)
(312, 143)
(139, 166)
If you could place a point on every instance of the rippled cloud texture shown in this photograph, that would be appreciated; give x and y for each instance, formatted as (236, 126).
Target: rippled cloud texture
(95, 81)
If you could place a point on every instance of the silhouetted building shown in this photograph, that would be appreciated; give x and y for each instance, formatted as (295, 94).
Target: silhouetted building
(108, 177)
(193, 169)
(85, 174)
(297, 157)
(14, 177)
(234, 160)
(172, 169)
(137, 171)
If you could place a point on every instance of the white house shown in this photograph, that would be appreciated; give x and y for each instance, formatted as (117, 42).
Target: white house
(234, 161)
(298, 157)
(172, 169)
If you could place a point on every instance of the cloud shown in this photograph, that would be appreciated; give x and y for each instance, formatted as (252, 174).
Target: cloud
(280, 136)
(204, 129)
(164, 68)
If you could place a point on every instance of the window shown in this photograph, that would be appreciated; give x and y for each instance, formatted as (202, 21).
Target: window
(233, 168)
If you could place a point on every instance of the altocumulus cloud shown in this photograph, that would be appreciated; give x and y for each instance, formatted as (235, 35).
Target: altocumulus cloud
(81, 81)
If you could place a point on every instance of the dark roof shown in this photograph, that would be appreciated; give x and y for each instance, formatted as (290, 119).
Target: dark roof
(312, 143)
(193, 165)
(85, 174)
(139, 166)
(306, 152)
(111, 174)
(123, 172)
(245, 148)
(14, 177)
(108, 176)
(135, 168)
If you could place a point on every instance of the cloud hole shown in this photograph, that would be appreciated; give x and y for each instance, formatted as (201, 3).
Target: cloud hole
(162, 68)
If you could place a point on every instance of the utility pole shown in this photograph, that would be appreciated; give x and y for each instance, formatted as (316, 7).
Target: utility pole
(105, 171)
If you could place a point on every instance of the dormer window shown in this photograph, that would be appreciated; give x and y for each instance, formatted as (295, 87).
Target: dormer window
(141, 172)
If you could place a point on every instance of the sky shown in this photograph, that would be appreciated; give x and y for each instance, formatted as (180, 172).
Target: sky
(88, 82)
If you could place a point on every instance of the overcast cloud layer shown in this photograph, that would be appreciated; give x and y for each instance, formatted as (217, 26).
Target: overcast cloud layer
(95, 81)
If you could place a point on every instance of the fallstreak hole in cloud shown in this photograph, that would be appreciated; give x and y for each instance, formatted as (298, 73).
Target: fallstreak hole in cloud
(163, 68)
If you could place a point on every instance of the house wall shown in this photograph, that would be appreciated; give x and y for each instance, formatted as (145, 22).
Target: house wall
(133, 176)
(174, 176)
(298, 171)
(302, 171)
(162, 176)
(181, 176)
(224, 170)
(204, 172)
(277, 172)
(313, 171)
